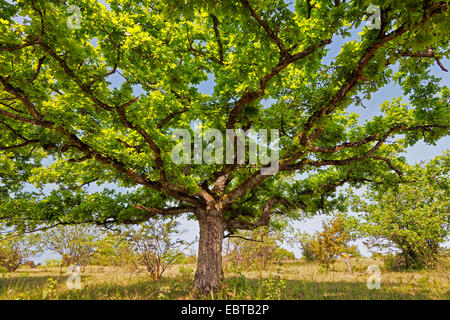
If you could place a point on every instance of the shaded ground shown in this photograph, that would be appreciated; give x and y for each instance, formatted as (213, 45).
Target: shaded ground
(293, 280)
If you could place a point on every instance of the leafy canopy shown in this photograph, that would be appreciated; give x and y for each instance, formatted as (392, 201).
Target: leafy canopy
(99, 103)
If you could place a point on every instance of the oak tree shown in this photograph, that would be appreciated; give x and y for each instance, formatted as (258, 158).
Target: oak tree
(65, 122)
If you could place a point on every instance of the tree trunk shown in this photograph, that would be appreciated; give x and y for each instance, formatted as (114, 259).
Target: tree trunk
(209, 263)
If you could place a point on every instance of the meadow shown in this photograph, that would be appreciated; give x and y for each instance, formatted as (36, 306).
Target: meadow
(292, 280)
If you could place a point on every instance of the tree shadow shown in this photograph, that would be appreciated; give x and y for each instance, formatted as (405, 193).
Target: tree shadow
(234, 288)
(324, 290)
(164, 288)
(22, 281)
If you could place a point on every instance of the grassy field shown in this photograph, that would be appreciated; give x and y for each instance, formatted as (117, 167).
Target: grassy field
(293, 280)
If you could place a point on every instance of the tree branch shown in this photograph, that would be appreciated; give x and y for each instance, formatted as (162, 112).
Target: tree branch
(251, 96)
(269, 31)
(357, 73)
(262, 221)
(217, 34)
(424, 54)
(166, 211)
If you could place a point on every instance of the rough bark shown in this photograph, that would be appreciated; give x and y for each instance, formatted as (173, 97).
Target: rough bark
(209, 264)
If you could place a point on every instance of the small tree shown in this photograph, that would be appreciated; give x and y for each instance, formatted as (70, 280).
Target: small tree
(15, 251)
(114, 250)
(329, 244)
(307, 251)
(258, 248)
(411, 220)
(75, 244)
(156, 245)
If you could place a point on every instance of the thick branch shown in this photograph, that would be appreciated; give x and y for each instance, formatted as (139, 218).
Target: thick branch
(251, 96)
(38, 69)
(424, 54)
(269, 31)
(167, 211)
(23, 144)
(19, 94)
(263, 220)
(357, 73)
(217, 34)
(18, 47)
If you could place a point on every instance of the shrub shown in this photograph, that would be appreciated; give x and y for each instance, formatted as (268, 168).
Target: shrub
(114, 250)
(281, 254)
(411, 219)
(52, 263)
(75, 244)
(329, 244)
(156, 245)
(192, 259)
(307, 251)
(185, 273)
(15, 251)
(257, 249)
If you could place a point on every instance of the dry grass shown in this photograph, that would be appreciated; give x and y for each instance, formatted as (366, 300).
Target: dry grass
(293, 280)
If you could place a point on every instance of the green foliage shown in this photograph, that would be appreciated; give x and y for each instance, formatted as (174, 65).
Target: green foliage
(113, 249)
(49, 290)
(237, 287)
(274, 287)
(65, 125)
(164, 50)
(411, 220)
(157, 245)
(307, 251)
(185, 272)
(52, 263)
(354, 251)
(75, 244)
(16, 250)
(281, 254)
(191, 259)
(327, 245)
(257, 249)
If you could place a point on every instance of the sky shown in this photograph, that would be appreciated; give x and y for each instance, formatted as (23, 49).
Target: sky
(417, 153)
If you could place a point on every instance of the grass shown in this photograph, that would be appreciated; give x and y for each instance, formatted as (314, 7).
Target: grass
(295, 280)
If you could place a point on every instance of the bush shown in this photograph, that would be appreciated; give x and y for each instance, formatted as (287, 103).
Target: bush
(52, 263)
(399, 262)
(256, 249)
(156, 245)
(411, 219)
(392, 262)
(281, 254)
(15, 251)
(307, 251)
(114, 250)
(75, 244)
(190, 259)
(354, 251)
(329, 244)
(185, 273)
